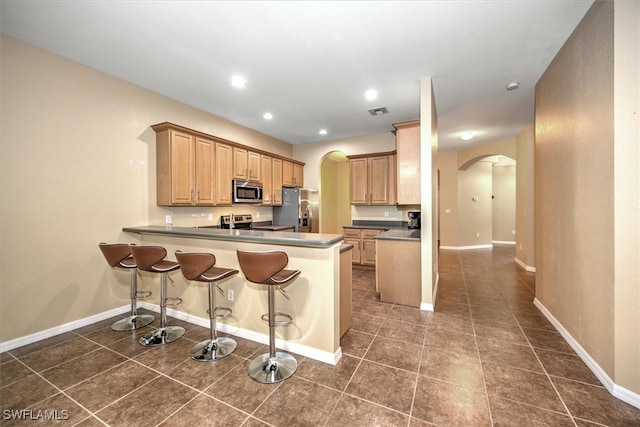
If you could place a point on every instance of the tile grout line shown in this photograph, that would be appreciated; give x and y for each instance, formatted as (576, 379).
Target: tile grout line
(475, 339)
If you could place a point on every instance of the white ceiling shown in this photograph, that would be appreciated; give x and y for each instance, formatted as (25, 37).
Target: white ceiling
(309, 63)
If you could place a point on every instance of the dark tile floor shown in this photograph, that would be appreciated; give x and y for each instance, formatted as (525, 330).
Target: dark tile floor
(485, 357)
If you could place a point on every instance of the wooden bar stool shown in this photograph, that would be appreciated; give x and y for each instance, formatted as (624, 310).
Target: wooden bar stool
(151, 259)
(118, 255)
(200, 267)
(267, 268)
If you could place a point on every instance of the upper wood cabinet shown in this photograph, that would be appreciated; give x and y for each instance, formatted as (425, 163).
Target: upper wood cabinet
(408, 162)
(196, 169)
(276, 181)
(184, 169)
(373, 180)
(246, 164)
(292, 174)
(223, 174)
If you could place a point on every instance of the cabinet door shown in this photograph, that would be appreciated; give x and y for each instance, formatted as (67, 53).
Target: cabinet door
(369, 246)
(298, 175)
(254, 164)
(355, 255)
(276, 182)
(240, 159)
(182, 168)
(224, 174)
(267, 179)
(358, 174)
(204, 171)
(408, 162)
(287, 173)
(379, 180)
(368, 252)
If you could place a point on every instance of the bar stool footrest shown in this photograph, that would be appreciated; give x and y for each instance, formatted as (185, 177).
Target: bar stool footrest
(143, 294)
(227, 312)
(287, 322)
(172, 302)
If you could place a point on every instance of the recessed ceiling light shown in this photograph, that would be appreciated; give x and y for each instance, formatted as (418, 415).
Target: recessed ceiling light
(267, 116)
(371, 94)
(513, 86)
(467, 136)
(238, 82)
(323, 132)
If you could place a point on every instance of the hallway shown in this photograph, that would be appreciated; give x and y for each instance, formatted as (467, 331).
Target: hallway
(485, 357)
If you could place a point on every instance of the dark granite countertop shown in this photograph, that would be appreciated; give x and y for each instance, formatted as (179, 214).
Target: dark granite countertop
(271, 227)
(311, 240)
(404, 234)
(395, 230)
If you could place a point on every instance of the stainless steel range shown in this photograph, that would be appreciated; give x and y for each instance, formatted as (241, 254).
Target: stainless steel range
(239, 222)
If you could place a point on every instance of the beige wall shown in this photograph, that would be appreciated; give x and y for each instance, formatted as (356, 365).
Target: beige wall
(456, 229)
(475, 222)
(429, 194)
(78, 164)
(575, 228)
(503, 212)
(525, 198)
(627, 194)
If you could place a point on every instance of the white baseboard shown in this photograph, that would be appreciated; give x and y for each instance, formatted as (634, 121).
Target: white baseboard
(525, 266)
(57, 330)
(322, 356)
(620, 392)
(464, 248)
(503, 242)
(303, 350)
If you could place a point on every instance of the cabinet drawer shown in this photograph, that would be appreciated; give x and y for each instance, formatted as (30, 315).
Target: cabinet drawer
(370, 234)
(351, 233)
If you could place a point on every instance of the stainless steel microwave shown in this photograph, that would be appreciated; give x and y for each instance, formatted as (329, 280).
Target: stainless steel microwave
(246, 191)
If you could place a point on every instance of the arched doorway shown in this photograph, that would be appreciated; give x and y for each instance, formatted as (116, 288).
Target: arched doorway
(335, 207)
(487, 200)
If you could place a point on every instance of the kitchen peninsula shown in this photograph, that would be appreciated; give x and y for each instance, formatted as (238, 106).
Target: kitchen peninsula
(314, 297)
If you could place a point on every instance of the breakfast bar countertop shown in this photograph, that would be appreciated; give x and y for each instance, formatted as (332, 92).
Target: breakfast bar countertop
(310, 240)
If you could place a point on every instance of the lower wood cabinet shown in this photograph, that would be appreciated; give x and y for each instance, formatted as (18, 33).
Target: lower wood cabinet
(398, 273)
(364, 244)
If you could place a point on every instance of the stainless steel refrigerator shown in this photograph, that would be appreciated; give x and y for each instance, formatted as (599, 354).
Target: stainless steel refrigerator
(299, 209)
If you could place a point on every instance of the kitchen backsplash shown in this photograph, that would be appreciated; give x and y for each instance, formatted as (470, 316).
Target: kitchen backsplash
(381, 213)
(192, 216)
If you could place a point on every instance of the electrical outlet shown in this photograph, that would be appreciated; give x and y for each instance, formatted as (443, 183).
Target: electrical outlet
(477, 234)
(513, 232)
(230, 295)
(210, 218)
(386, 213)
(168, 220)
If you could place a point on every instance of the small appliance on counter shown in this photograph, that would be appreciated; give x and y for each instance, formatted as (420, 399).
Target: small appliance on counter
(414, 219)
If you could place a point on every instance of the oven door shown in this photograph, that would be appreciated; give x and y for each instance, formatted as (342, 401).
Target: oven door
(247, 191)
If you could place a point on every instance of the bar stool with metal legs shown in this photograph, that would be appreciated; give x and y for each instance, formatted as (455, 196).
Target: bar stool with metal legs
(267, 268)
(151, 259)
(200, 267)
(119, 255)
